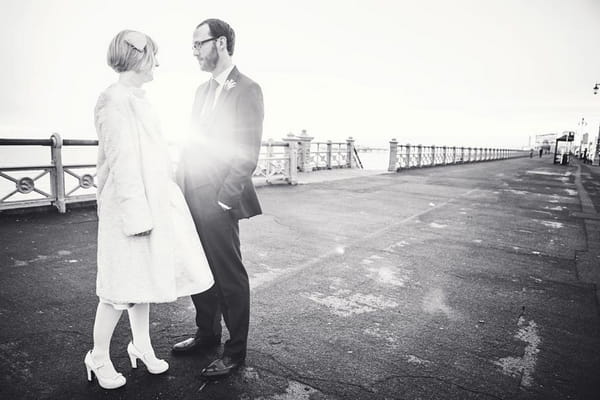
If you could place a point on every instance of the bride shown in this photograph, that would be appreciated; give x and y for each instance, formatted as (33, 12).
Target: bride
(148, 248)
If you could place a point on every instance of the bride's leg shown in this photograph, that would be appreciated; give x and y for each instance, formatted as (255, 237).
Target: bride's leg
(141, 348)
(107, 318)
(139, 318)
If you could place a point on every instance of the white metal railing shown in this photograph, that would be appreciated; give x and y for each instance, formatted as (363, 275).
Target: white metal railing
(418, 156)
(58, 184)
(278, 160)
(68, 183)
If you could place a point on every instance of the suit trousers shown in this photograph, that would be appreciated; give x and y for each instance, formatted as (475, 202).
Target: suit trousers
(230, 295)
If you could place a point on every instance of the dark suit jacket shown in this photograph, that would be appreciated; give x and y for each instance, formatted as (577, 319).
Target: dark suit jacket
(218, 161)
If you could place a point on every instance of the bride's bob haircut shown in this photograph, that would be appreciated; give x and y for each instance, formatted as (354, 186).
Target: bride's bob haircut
(131, 51)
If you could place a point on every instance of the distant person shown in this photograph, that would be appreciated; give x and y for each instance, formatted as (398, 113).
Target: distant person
(148, 251)
(530, 153)
(215, 171)
(541, 152)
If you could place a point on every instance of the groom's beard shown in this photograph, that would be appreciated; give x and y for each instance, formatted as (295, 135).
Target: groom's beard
(211, 60)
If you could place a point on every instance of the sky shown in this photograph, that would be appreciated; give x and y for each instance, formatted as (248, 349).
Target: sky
(489, 73)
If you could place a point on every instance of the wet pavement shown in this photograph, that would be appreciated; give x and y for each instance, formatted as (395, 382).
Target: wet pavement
(462, 282)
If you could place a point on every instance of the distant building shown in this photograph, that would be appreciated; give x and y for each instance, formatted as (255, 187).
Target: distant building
(546, 141)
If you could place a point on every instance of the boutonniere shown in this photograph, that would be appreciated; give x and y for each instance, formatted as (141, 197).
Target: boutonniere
(229, 84)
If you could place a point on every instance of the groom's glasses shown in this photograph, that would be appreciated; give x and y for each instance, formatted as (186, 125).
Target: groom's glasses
(199, 44)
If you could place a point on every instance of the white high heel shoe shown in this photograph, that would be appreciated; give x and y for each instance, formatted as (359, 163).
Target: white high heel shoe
(153, 365)
(106, 382)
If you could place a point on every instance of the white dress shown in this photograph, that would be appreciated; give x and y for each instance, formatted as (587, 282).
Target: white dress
(136, 193)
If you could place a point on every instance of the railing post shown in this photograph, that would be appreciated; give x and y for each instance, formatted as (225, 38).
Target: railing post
(393, 155)
(292, 149)
(58, 181)
(444, 152)
(432, 156)
(350, 152)
(407, 155)
(329, 150)
(305, 163)
(453, 154)
(419, 155)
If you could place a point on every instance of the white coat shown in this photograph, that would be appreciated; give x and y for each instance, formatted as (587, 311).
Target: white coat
(136, 193)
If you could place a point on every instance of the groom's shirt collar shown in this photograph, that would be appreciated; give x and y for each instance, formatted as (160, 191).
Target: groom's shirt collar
(222, 77)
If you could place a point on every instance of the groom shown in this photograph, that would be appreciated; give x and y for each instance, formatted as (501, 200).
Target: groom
(216, 175)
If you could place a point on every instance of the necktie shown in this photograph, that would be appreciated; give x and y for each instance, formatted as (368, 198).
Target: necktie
(210, 96)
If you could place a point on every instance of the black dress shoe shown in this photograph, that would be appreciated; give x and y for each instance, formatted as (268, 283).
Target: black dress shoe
(194, 344)
(222, 367)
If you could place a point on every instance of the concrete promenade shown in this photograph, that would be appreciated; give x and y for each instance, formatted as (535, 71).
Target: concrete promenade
(464, 282)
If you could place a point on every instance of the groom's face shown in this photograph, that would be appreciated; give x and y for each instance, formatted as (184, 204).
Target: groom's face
(205, 50)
